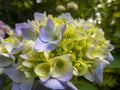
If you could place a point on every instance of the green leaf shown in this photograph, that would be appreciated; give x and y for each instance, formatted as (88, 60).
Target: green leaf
(116, 62)
(83, 84)
(117, 34)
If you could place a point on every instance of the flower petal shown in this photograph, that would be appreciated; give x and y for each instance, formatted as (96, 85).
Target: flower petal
(16, 86)
(54, 84)
(99, 71)
(50, 24)
(90, 76)
(62, 67)
(5, 61)
(47, 32)
(42, 46)
(67, 76)
(43, 70)
(15, 74)
(44, 35)
(27, 85)
(25, 30)
(18, 28)
(109, 57)
(51, 45)
(39, 16)
(96, 52)
(28, 33)
(48, 38)
(11, 43)
(67, 16)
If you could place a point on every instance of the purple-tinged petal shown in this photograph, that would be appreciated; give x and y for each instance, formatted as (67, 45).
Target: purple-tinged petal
(25, 30)
(42, 46)
(87, 27)
(67, 16)
(47, 32)
(47, 38)
(90, 75)
(111, 47)
(27, 85)
(15, 74)
(28, 33)
(18, 28)
(50, 24)
(109, 57)
(67, 76)
(15, 50)
(5, 61)
(44, 36)
(62, 29)
(39, 16)
(49, 35)
(16, 86)
(53, 84)
(71, 86)
(99, 71)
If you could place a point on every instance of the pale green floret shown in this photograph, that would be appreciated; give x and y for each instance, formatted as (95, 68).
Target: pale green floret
(80, 68)
(10, 43)
(27, 64)
(60, 66)
(43, 70)
(28, 74)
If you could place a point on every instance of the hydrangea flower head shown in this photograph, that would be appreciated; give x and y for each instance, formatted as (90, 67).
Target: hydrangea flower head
(53, 50)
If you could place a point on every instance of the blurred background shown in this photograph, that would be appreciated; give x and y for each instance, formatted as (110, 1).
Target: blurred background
(105, 13)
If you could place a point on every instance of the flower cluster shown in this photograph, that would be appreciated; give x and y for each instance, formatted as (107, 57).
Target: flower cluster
(53, 50)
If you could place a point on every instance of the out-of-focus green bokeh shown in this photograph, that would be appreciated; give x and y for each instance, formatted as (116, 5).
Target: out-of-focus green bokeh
(106, 14)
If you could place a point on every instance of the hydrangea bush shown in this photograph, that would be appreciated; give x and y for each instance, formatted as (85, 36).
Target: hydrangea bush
(53, 50)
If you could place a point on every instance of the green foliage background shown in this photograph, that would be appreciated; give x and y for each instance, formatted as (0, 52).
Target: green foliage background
(16, 11)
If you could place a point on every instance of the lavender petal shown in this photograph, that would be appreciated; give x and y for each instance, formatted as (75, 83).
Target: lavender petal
(27, 85)
(54, 84)
(16, 86)
(50, 24)
(39, 16)
(42, 46)
(15, 74)
(67, 16)
(44, 36)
